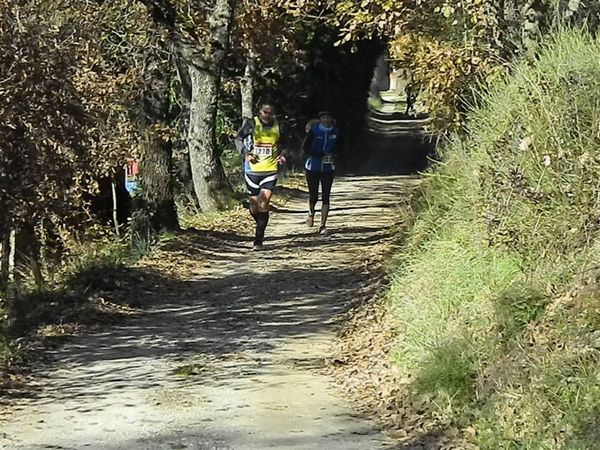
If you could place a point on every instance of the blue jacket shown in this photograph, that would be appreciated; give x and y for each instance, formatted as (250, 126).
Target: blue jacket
(320, 147)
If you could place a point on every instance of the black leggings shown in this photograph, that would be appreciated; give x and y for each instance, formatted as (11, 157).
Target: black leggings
(313, 179)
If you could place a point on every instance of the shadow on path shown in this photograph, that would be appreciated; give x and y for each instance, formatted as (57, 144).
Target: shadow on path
(250, 327)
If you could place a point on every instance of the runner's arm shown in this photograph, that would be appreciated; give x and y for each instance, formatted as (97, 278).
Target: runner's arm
(281, 144)
(307, 144)
(246, 130)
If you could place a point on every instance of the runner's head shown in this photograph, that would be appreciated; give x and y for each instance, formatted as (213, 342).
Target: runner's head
(266, 113)
(326, 118)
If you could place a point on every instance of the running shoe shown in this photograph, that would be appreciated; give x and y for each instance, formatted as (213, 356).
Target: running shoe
(258, 245)
(310, 220)
(323, 231)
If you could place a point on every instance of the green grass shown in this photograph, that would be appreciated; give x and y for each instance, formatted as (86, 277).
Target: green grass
(495, 294)
(375, 103)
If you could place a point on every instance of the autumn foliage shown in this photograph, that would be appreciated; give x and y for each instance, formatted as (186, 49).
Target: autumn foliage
(69, 87)
(447, 47)
(85, 86)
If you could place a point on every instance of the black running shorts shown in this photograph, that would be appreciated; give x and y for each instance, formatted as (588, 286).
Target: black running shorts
(257, 182)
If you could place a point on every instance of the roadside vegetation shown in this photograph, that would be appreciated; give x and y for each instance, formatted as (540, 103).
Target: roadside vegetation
(496, 294)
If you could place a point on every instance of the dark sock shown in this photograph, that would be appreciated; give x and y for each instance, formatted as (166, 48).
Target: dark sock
(262, 219)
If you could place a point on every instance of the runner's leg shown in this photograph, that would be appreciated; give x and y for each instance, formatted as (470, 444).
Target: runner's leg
(253, 206)
(253, 184)
(262, 215)
(312, 180)
(326, 183)
(264, 199)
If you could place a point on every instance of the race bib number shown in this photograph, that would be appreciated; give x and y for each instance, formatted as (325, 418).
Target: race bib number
(328, 159)
(263, 151)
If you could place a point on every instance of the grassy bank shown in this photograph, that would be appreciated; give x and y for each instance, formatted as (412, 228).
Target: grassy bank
(496, 294)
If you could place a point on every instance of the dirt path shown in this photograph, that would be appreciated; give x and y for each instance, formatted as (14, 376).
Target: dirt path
(252, 329)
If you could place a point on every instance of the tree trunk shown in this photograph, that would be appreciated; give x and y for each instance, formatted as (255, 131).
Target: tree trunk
(27, 251)
(156, 198)
(247, 87)
(204, 66)
(10, 288)
(184, 168)
(157, 186)
(4, 257)
(210, 183)
(534, 24)
(113, 185)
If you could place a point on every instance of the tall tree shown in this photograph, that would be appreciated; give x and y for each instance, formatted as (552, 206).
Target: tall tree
(204, 66)
(155, 202)
(201, 37)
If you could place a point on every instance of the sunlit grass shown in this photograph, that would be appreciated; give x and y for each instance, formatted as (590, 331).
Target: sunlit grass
(496, 295)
